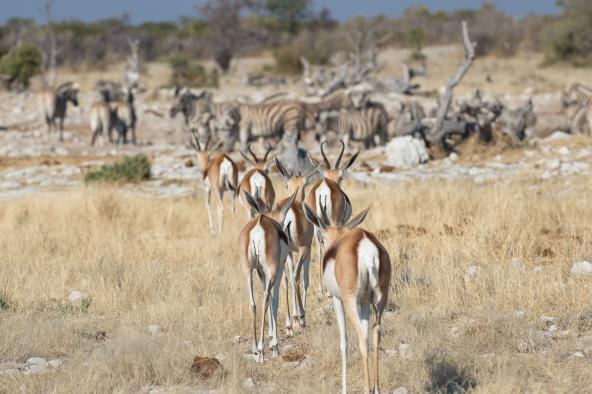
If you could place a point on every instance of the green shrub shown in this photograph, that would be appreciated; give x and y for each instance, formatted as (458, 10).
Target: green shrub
(187, 73)
(4, 305)
(20, 65)
(287, 60)
(130, 169)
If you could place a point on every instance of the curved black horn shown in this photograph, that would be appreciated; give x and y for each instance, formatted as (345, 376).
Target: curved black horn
(340, 154)
(251, 152)
(267, 153)
(207, 142)
(195, 142)
(324, 156)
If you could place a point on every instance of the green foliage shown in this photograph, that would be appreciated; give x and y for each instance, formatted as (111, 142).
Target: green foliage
(187, 73)
(289, 15)
(570, 34)
(4, 305)
(130, 169)
(287, 60)
(416, 39)
(21, 64)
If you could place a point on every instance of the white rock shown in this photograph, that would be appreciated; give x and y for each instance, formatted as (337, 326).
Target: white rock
(455, 331)
(517, 264)
(563, 151)
(154, 329)
(582, 268)
(406, 152)
(520, 314)
(75, 296)
(453, 156)
(237, 339)
(401, 390)
(553, 328)
(55, 363)
(576, 355)
(405, 351)
(583, 153)
(248, 383)
(523, 346)
(37, 361)
(557, 136)
(472, 271)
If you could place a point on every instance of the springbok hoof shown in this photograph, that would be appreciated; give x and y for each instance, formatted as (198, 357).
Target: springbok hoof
(302, 322)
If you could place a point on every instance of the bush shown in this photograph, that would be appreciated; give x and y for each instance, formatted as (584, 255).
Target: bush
(188, 73)
(287, 60)
(20, 65)
(130, 169)
(570, 34)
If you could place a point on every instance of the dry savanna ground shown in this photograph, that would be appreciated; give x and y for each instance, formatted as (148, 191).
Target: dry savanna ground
(146, 261)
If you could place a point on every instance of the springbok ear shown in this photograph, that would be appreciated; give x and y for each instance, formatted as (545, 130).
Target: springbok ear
(252, 202)
(268, 164)
(246, 158)
(311, 216)
(351, 161)
(282, 169)
(287, 205)
(356, 221)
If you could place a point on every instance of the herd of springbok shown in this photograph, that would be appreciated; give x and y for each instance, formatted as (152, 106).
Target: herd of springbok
(354, 266)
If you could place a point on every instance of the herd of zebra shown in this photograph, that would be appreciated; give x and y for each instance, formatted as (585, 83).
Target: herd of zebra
(347, 114)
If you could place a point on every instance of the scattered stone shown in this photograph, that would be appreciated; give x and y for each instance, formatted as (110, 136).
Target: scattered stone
(455, 331)
(520, 314)
(472, 271)
(523, 346)
(237, 339)
(154, 329)
(406, 152)
(581, 268)
(205, 367)
(401, 390)
(405, 351)
(76, 296)
(453, 156)
(553, 328)
(517, 264)
(576, 355)
(248, 383)
(548, 319)
(391, 352)
(563, 151)
(40, 361)
(55, 363)
(557, 136)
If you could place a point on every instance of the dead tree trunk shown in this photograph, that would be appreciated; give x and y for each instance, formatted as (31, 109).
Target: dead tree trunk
(132, 70)
(49, 48)
(438, 133)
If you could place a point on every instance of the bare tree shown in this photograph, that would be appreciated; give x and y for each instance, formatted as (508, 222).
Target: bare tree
(132, 70)
(49, 48)
(437, 133)
(226, 33)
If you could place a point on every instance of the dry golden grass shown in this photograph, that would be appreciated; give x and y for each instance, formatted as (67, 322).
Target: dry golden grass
(152, 261)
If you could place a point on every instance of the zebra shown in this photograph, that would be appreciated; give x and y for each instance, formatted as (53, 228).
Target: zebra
(269, 120)
(367, 125)
(54, 103)
(514, 122)
(577, 103)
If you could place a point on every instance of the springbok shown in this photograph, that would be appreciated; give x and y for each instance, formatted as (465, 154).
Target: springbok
(256, 181)
(356, 272)
(54, 103)
(219, 175)
(327, 192)
(299, 232)
(263, 248)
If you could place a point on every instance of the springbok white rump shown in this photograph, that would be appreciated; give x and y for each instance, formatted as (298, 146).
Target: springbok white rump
(356, 272)
(263, 248)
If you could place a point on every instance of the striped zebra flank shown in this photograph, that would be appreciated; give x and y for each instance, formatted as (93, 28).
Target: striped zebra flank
(367, 125)
(270, 120)
(515, 122)
(578, 108)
